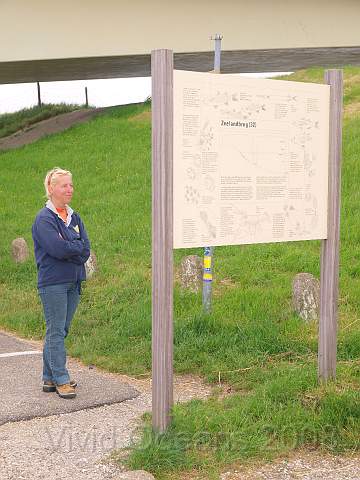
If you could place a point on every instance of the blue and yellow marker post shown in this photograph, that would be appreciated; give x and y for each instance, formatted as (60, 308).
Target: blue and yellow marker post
(207, 278)
(209, 251)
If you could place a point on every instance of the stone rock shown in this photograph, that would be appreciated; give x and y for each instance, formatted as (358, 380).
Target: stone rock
(191, 271)
(91, 265)
(306, 296)
(19, 250)
(135, 475)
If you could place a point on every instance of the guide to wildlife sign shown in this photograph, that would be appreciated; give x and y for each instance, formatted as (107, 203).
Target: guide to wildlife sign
(250, 160)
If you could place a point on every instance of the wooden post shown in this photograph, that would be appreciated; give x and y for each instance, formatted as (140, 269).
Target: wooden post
(162, 238)
(329, 278)
(86, 97)
(39, 94)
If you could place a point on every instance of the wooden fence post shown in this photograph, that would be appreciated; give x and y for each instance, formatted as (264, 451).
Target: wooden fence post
(39, 94)
(162, 238)
(329, 278)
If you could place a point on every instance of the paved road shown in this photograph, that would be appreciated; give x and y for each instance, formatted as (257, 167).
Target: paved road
(22, 397)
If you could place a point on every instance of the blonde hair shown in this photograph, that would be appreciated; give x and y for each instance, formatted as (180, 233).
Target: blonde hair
(52, 178)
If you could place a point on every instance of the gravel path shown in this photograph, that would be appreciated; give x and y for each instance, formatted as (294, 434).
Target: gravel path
(78, 445)
(69, 446)
(302, 466)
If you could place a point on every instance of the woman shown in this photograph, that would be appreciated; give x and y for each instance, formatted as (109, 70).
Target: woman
(61, 248)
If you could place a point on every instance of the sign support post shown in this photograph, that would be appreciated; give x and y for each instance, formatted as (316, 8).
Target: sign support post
(162, 238)
(329, 277)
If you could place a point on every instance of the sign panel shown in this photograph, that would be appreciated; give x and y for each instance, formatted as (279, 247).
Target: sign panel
(250, 160)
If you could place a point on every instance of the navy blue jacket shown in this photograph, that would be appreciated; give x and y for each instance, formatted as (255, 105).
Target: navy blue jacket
(60, 250)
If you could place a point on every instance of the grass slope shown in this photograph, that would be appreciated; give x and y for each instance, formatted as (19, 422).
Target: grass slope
(13, 122)
(252, 337)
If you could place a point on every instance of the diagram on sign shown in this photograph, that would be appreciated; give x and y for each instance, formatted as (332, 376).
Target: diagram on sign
(206, 136)
(249, 225)
(266, 153)
(210, 228)
(235, 104)
(250, 160)
(192, 195)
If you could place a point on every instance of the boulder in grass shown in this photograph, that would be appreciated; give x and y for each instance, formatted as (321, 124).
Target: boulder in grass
(306, 296)
(191, 271)
(19, 250)
(91, 265)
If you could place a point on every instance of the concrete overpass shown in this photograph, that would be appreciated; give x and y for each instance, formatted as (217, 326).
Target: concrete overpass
(44, 41)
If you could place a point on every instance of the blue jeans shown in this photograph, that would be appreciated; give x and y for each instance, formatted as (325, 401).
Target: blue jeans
(59, 302)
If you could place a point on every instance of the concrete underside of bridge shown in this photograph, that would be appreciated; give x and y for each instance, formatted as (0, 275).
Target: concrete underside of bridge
(276, 60)
(67, 40)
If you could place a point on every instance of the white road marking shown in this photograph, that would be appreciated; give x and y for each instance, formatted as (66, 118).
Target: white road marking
(15, 354)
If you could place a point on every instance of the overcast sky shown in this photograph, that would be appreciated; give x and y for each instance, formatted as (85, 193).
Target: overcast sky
(101, 93)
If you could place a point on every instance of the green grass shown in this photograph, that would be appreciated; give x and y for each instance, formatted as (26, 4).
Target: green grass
(261, 349)
(13, 122)
(282, 412)
(351, 85)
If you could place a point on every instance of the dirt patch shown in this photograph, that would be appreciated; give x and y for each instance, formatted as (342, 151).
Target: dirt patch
(222, 285)
(141, 117)
(352, 110)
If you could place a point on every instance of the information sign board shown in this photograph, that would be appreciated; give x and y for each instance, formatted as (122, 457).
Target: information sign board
(250, 160)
